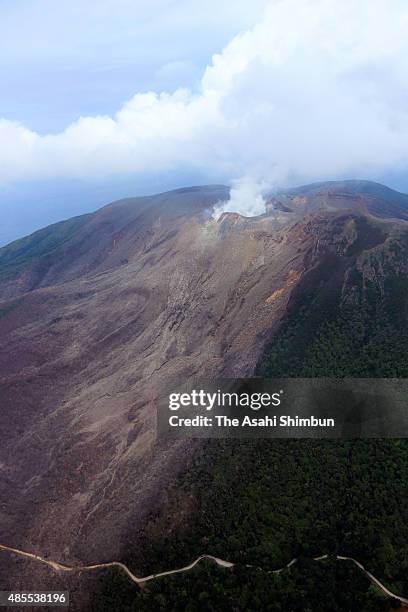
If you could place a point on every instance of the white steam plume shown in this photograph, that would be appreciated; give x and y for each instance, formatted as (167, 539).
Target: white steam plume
(246, 198)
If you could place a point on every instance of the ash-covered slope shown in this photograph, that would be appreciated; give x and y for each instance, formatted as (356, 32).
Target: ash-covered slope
(99, 241)
(129, 303)
(364, 197)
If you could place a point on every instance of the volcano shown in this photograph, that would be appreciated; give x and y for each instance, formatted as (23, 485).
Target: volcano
(103, 314)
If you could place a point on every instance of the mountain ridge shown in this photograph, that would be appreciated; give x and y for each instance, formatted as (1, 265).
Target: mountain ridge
(90, 243)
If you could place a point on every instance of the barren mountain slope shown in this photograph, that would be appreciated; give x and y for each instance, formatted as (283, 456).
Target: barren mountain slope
(137, 299)
(98, 241)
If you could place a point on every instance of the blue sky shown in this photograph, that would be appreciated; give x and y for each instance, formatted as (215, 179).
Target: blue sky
(102, 99)
(60, 60)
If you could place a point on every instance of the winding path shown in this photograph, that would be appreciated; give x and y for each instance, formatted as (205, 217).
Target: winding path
(60, 567)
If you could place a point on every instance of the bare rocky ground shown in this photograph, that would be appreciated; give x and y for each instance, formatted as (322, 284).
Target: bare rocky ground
(100, 320)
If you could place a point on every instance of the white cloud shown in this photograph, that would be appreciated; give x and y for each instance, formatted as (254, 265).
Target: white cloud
(316, 89)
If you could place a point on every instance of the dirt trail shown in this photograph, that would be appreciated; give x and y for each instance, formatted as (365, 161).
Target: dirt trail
(60, 567)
